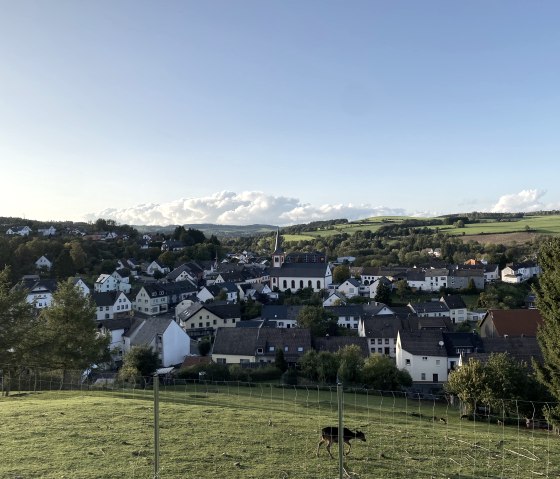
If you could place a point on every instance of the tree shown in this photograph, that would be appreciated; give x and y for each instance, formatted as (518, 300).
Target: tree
(316, 320)
(327, 367)
(16, 326)
(341, 273)
(402, 288)
(78, 255)
(351, 362)
(280, 360)
(139, 364)
(70, 336)
(380, 372)
(383, 293)
(468, 382)
(547, 293)
(308, 364)
(204, 346)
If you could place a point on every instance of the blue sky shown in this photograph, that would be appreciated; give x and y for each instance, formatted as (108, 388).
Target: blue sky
(277, 112)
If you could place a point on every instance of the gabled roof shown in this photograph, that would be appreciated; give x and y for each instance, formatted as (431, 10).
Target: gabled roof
(514, 322)
(355, 310)
(425, 343)
(520, 348)
(300, 270)
(453, 301)
(382, 327)
(143, 331)
(280, 312)
(106, 299)
(429, 307)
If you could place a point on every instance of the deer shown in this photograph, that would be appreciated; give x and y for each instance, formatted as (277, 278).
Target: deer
(330, 434)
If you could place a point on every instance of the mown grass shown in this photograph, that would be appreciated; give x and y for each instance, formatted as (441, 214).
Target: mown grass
(232, 431)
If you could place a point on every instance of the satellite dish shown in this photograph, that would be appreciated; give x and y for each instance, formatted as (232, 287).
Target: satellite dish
(441, 344)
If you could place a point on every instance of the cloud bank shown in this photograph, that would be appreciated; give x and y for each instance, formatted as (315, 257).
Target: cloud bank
(247, 207)
(524, 201)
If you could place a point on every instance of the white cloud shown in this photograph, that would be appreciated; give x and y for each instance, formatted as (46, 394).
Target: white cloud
(524, 201)
(247, 207)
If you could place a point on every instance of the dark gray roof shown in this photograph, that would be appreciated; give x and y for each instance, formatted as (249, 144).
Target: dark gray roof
(236, 341)
(300, 270)
(454, 301)
(115, 324)
(105, 299)
(355, 310)
(521, 348)
(145, 330)
(383, 327)
(424, 343)
(415, 274)
(279, 312)
(428, 307)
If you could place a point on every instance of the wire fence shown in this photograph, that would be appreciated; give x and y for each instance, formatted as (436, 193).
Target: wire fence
(171, 428)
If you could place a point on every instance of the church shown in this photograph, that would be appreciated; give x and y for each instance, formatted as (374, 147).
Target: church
(296, 271)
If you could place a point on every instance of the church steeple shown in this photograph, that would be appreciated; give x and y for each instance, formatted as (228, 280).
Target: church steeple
(278, 255)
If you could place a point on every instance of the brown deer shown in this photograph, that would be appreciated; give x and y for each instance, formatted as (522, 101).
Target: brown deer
(330, 435)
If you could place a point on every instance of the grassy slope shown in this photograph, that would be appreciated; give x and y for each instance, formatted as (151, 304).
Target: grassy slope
(261, 432)
(537, 224)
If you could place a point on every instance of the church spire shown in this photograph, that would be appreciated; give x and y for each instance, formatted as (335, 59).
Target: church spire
(278, 255)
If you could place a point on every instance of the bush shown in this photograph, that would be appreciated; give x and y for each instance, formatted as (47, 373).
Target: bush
(214, 372)
(290, 377)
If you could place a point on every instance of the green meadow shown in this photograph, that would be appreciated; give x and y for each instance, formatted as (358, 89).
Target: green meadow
(546, 225)
(264, 431)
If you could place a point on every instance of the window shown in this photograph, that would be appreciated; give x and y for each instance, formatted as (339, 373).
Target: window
(293, 284)
(213, 321)
(200, 325)
(424, 358)
(423, 376)
(408, 362)
(301, 283)
(300, 349)
(271, 349)
(437, 362)
(380, 350)
(318, 284)
(244, 361)
(207, 324)
(386, 340)
(379, 341)
(259, 350)
(286, 348)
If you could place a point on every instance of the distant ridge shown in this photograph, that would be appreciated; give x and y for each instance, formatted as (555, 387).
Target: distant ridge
(211, 229)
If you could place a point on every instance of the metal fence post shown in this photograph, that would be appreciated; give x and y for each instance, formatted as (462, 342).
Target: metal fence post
(156, 425)
(340, 396)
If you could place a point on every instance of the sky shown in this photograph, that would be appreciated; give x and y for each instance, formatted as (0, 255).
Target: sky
(277, 112)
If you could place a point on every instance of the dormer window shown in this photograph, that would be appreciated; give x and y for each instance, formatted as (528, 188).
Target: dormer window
(259, 350)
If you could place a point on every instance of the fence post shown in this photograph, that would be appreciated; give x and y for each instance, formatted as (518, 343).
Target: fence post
(156, 425)
(340, 396)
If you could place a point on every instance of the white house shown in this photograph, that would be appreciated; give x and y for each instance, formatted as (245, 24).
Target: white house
(111, 305)
(44, 263)
(39, 291)
(156, 266)
(423, 355)
(81, 285)
(50, 231)
(334, 299)
(163, 335)
(19, 230)
(122, 278)
(350, 288)
(520, 272)
(105, 283)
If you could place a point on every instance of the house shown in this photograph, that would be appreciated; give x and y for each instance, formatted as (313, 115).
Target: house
(424, 355)
(81, 285)
(462, 277)
(375, 284)
(259, 345)
(210, 293)
(156, 266)
(347, 316)
(350, 288)
(111, 305)
(158, 298)
(520, 272)
(116, 328)
(50, 231)
(44, 263)
(416, 279)
(204, 319)
(436, 278)
(19, 230)
(524, 349)
(430, 309)
(457, 307)
(491, 272)
(122, 278)
(173, 245)
(285, 316)
(380, 332)
(183, 272)
(502, 323)
(39, 291)
(162, 335)
(334, 299)
(370, 275)
(105, 283)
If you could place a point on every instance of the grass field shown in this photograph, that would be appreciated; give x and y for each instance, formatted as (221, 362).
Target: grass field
(524, 229)
(232, 431)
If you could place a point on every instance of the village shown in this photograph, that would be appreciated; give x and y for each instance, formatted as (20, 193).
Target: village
(172, 309)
